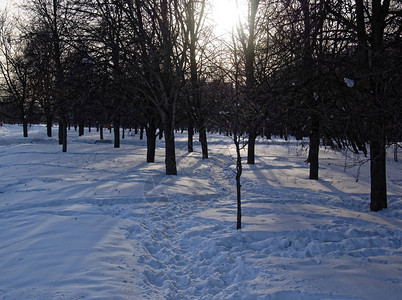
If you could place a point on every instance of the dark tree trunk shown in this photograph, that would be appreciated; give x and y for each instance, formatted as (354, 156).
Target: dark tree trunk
(170, 150)
(25, 127)
(60, 132)
(203, 141)
(116, 131)
(151, 142)
(101, 132)
(249, 54)
(64, 136)
(251, 147)
(378, 199)
(151, 146)
(314, 147)
(372, 67)
(190, 137)
(49, 123)
(142, 132)
(80, 129)
(239, 171)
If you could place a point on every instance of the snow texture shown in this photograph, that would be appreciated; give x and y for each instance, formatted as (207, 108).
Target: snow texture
(100, 223)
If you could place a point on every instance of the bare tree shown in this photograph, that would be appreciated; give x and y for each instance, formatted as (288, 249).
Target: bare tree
(159, 26)
(54, 17)
(195, 13)
(16, 70)
(110, 45)
(248, 46)
(374, 27)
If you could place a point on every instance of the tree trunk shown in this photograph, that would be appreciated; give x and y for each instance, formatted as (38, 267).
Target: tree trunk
(251, 147)
(170, 149)
(60, 132)
(249, 53)
(170, 152)
(372, 68)
(203, 141)
(80, 129)
(116, 131)
(142, 132)
(238, 183)
(151, 139)
(151, 143)
(101, 132)
(190, 137)
(49, 122)
(25, 127)
(64, 136)
(378, 196)
(314, 147)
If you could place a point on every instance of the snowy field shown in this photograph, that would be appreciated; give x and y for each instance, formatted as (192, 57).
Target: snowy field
(100, 223)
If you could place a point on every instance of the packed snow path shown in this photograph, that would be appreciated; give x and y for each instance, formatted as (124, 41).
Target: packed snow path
(99, 223)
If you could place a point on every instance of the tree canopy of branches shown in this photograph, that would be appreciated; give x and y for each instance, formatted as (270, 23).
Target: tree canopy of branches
(327, 69)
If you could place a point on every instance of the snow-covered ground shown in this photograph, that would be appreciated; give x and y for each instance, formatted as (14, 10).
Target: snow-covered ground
(100, 223)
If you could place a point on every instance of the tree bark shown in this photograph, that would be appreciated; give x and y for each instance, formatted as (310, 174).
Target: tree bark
(151, 145)
(170, 150)
(249, 53)
(101, 131)
(25, 127)
(80, 129)
(151, 141)
(194, 24)
(49, 122)
(239, 171)
(372, 68)
(60, 132)
(314, 147)
(190, 137)
(64, 136)
(378, 197)
(116, 131)
(251, 147)
(203, 141)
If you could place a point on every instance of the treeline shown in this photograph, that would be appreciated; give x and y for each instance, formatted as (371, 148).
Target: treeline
(330, 70)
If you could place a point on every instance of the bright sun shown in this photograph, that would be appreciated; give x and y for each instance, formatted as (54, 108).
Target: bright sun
(225, 14)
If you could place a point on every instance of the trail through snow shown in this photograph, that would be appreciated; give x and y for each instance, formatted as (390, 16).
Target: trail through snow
(100, 223)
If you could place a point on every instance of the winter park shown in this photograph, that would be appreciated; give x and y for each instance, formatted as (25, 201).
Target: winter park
(99, 223)
(199, 149)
